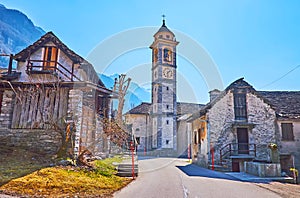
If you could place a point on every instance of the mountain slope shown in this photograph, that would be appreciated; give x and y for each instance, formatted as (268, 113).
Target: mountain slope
(16, 32)
(135, 95)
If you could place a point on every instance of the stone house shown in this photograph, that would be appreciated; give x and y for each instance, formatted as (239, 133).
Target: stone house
(139, 119)
(239, 123)
(52, 94)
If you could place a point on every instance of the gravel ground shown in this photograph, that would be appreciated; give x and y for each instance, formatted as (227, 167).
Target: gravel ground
(285, 190)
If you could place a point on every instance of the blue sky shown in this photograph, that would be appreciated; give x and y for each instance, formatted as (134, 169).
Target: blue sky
(255, 39)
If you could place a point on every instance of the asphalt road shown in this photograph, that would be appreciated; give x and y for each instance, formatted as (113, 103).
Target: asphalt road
(171, 177)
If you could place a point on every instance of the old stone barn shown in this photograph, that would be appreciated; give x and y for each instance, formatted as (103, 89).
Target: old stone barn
(54, 96)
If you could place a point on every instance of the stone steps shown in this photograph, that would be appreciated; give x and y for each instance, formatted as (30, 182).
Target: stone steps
(125, 168)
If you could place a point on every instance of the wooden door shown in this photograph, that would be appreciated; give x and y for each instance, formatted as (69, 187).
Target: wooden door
(243, 141)
(50, 58)
(235, 166)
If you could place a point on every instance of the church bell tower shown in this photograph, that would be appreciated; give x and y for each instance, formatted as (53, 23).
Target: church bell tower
(164, 129)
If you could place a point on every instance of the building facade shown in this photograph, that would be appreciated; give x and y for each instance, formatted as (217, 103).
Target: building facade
(52, 94)
(240, 123)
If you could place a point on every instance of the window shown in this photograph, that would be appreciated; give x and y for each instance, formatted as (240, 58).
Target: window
(167, 106)
(287, 131)
(155, 55)
(199, 135)
(50, 58)
(137, 129)
(167, 55)
(167, 121)
(138, 140)
(167, 88)
(167, 141)
(240, 106)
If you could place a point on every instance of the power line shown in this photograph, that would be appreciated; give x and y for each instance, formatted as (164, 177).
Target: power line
(281, 77)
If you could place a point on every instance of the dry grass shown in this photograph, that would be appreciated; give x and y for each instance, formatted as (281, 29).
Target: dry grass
(63, 182)
(29, 178)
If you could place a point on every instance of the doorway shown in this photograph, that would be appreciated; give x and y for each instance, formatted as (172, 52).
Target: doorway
(243, 141)
(235, 165)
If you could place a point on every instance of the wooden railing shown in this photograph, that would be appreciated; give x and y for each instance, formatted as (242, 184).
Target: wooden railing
(49, 67)
(235, 149)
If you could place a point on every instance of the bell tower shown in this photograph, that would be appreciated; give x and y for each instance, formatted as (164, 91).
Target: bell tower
(164, 129)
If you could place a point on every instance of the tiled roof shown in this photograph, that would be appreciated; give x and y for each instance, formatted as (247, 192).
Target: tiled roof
(285, 103)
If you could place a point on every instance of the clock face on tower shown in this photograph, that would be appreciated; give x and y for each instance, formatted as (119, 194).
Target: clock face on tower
(167, 73)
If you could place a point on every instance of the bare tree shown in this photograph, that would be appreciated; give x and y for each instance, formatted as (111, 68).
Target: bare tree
(121, 86)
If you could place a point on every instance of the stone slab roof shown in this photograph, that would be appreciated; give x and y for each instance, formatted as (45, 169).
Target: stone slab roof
(285, 103)
(182, 108)
(51, 37)
(187, 108)
(143, 108)
(48, 37)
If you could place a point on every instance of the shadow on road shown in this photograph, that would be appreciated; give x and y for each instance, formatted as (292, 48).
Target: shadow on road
(196, 171)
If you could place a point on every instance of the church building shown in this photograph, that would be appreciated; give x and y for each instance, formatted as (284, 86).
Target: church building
(155, 124)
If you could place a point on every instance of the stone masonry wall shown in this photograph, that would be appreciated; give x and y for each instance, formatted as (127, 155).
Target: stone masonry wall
(260, 115)
(141, 128)
(263, 117)
(75, 112)
(6, 109)
(40, 141)
(220, 117)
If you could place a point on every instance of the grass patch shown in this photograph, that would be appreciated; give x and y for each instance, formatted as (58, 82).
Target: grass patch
(67, 181)
(19, 162)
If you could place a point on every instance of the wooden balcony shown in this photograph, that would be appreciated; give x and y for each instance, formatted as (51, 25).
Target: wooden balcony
(49, 67)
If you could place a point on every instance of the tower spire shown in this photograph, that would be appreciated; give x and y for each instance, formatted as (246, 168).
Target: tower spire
(163, 17)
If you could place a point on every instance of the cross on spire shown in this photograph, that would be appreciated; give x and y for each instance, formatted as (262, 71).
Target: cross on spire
(163, 16)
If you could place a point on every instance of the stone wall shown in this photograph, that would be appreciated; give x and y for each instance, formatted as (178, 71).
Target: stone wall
(39, 141)
(263, 117)
(141, 127)
(221, 117)
(75, 113)
(6, 109)
(263, 169)
(260, 124)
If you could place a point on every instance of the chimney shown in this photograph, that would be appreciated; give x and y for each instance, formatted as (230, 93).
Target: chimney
(213, 94)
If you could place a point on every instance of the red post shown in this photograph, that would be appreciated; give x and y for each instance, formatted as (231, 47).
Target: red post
(132, 157)
(144, 151)
(212, 159)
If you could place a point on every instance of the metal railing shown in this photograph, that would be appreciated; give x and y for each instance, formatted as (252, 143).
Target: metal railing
(236, 149)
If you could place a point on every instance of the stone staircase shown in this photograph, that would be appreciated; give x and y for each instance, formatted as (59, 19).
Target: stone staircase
(125, 167)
